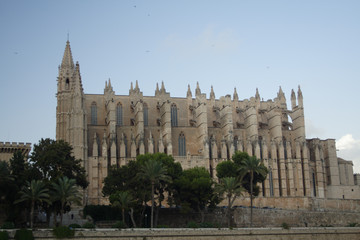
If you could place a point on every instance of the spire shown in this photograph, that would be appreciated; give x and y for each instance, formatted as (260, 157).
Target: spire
(67, 60)
(157, 89)
(189, 94)
(162, 90)
(110, 83)
(281, 95)
(131, 88)
(137, 89)
(197, 91)
(257, 95)
(235, 95)
(212, 94)
(293, 99)
(300, 98)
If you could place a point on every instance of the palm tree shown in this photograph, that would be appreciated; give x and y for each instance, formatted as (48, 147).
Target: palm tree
(123, 200)
(231, 188)
(35, 192)
(153, 171)
(252, 165)
(65, 191)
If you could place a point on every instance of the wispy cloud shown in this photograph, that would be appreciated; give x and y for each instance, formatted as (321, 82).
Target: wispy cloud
(209, 40)
(313, 131)
(349, 149)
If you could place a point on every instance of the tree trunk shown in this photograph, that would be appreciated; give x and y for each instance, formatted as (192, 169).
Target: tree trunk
(229, 212)
(132, 217)
(123, 215)
(152, 205)
(251, 197)
(32, 214)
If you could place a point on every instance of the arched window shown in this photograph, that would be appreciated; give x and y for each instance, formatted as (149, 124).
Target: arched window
(93, 114)
(67, 84)
(174, 121)
(146, 115)
(182, 145)
(119, 115)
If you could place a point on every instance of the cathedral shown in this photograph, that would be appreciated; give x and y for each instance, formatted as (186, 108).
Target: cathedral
(197, 130)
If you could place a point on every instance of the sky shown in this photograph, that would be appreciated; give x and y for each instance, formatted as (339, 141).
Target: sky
(250, 44)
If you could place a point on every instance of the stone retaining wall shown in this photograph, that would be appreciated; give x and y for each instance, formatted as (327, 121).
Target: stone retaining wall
(210, 234)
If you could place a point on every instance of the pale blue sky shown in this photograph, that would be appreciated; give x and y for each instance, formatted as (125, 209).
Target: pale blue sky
(243, 44)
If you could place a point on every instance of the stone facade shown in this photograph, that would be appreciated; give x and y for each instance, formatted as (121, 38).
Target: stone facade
(8, 149)
(111, 130)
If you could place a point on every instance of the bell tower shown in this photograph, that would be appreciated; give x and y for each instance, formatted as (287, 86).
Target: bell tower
(71, 125)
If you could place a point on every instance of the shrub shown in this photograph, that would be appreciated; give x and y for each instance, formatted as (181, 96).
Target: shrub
(8, 225)
(4, 235)
(352, 224)
(102, 212)
(162, 226)
(74, 225)
(206, 225)
(285, 226)
(88, 225)
(63, 232)
(119, 224)
(192, 225)
(24, 234)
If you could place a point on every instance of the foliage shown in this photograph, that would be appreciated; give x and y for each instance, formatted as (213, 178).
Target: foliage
(195, 190)
(8, 225)
(209, 225)
(54, 159)
(252, 166)
(66, 192)
(63, 232)
(192, 225)
(122, 200)
(102, 212)
(88, 225)
(24, 234)
(354, 224)
(162, 226)
(34, 192)
(286, 226)
(4, 235)
(231, 188)
(119, 225)
(153, 171)
(226, 169)
(74, 225)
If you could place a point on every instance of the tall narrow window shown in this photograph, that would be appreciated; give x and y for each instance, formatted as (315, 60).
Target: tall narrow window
(271, 183)
(174, 121)
(236, 139)
(67, 84)
(182, 145)
(119, 115)
(93, 114)
(146, 114)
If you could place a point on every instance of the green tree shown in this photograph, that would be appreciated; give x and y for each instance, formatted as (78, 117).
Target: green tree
(153, 171)
(252, 166)
(125, 179)
(34, 192)
(227, 169)
(66, 192)
(53, 159)
(195, 189)
(123, 200)
(231, 188)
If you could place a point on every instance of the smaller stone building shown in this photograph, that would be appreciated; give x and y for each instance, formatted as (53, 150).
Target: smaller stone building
(8, 149)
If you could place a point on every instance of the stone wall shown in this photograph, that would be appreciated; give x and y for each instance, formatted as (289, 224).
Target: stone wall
(262, 218)
(210, 234)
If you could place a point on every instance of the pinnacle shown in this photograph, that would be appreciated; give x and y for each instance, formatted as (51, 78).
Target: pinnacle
(67, 60)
